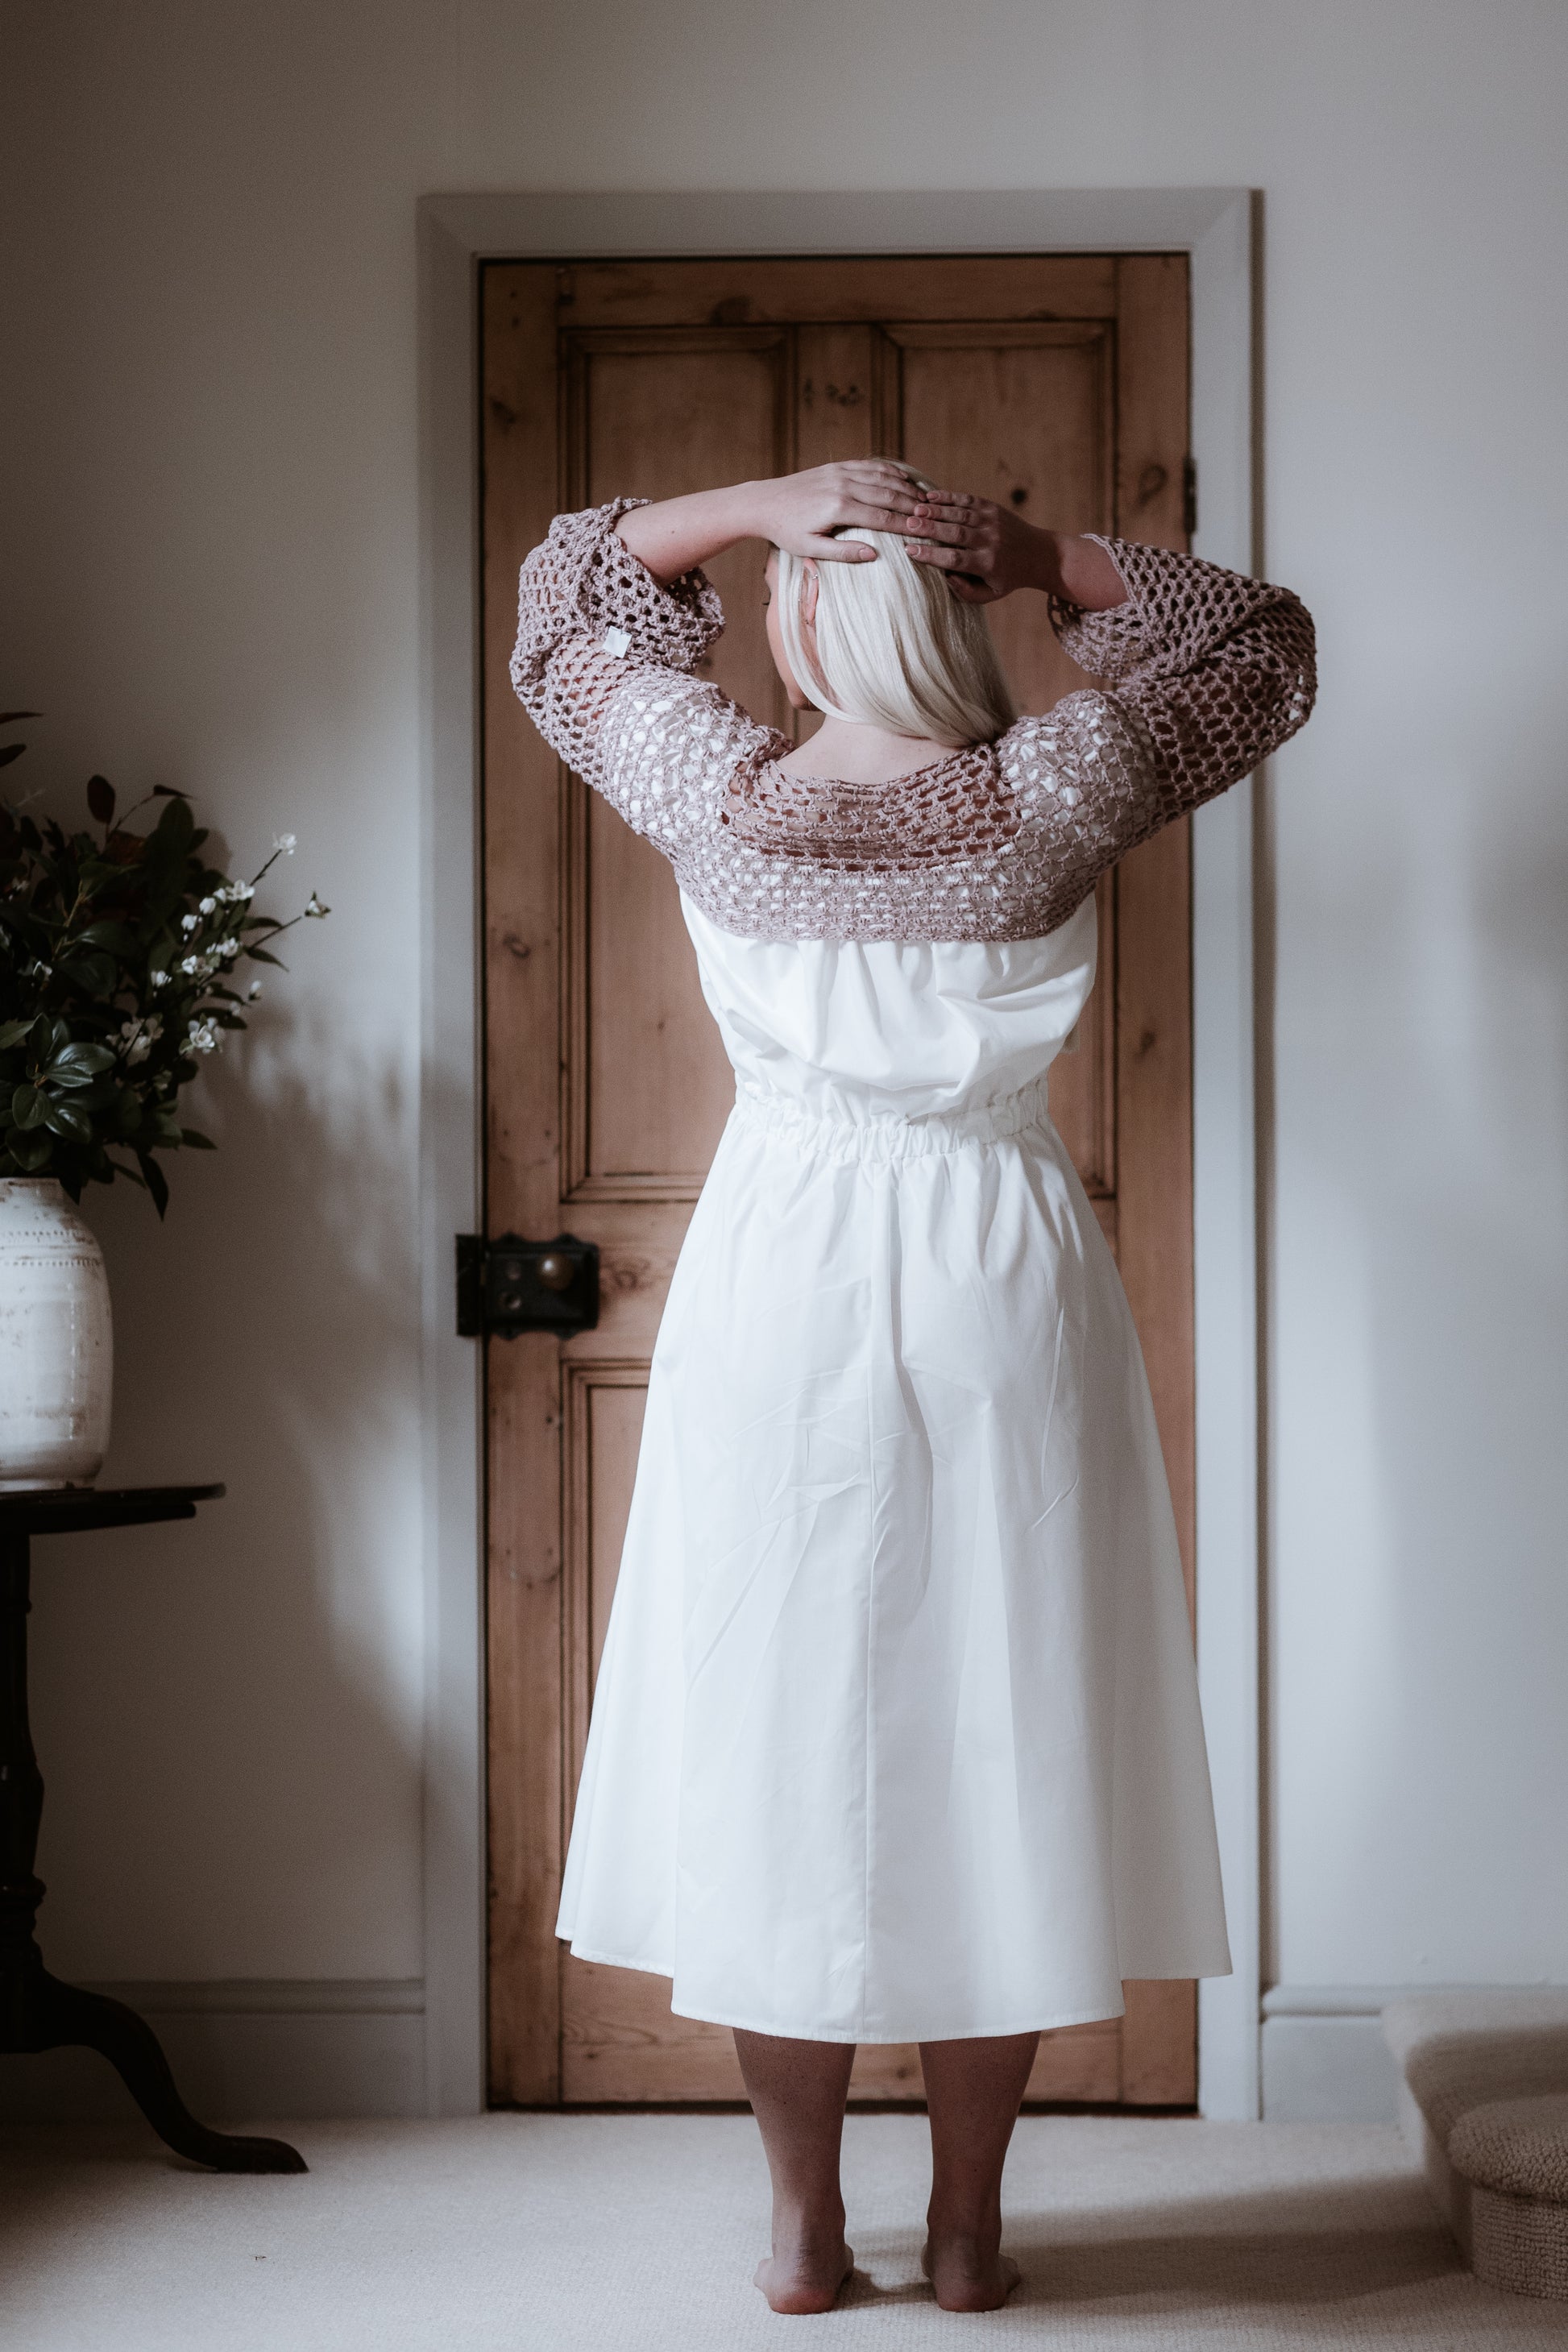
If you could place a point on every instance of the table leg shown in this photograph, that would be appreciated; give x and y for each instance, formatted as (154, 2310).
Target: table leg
(91, 2021)
(36, 2011)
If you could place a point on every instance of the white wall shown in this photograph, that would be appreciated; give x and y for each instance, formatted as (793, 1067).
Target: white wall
(211, 500)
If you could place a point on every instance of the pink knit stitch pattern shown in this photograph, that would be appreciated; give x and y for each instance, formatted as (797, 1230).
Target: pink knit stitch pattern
(1207, 673)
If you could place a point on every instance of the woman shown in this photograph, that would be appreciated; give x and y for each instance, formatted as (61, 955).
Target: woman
(895, 1734)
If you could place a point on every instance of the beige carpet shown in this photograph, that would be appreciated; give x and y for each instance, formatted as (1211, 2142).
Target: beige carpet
(638, 2233)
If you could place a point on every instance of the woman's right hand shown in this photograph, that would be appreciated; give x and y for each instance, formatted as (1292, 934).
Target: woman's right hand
(801, 512)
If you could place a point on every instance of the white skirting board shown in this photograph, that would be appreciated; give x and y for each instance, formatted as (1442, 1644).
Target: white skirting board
(1324, 2057)
(246, 2051)
(340, 2049)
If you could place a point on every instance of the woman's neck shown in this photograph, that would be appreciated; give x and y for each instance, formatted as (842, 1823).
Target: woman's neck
(854, 755)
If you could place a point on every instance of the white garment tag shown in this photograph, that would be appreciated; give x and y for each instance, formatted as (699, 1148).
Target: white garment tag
(617, 642)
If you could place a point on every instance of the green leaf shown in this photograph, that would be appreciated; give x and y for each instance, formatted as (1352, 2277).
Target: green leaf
(101, 799)
(32, 1151)
(95, 974)
(153, 1178)
(67, 1119)
(160, 792)
(115, 939)
(197, 1141)
(13, 1031)
(9, 717)
(78, 1055)
(27, 1107)
(261, 955)
(97, 1095)
(12, 752)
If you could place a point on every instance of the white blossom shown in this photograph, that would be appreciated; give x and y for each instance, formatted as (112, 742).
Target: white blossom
(228, 948)
(206, 905)
(188, 923)
(254, 991)
(157, 979)
(195, 965)
(285, 844)
(314, 906)
(202, 1037)
(137, 1038)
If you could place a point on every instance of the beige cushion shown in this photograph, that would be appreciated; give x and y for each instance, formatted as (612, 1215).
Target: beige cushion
(1520, 2243)
(1422, 2017)
(1456, 2072)
(1519, 2145)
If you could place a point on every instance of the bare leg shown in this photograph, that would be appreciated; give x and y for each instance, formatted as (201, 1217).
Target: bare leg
(798, 2091)
(973, 2093)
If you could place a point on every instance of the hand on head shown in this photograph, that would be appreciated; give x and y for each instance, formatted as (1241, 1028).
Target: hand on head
(986, 550)
(805, 512)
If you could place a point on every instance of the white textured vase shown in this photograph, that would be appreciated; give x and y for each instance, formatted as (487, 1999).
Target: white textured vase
(57, 1343)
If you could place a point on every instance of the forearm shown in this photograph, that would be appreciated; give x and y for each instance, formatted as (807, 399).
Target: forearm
(1077, 572)
(674, 535)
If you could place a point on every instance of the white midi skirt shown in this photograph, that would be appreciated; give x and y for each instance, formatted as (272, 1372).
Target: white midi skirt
(896, 1734)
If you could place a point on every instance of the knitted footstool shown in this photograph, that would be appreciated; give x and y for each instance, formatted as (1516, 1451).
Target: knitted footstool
(1485, 2080)
(1514, 2153)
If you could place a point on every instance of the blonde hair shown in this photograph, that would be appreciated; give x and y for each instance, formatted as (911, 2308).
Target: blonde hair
(895, 647)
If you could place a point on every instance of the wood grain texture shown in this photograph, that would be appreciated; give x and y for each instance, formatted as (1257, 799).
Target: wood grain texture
(1159, 2044)
(735, 290)
(1059, 384)
(1155, 1066)
(521, 932)
(603, 1400)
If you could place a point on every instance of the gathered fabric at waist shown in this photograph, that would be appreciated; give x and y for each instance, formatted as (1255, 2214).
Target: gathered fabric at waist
(848, 1132)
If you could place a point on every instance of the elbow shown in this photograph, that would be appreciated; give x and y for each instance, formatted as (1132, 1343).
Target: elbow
(1294, 683)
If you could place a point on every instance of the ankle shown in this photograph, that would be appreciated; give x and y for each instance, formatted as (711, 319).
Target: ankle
(807, 2221)
(967, 2233)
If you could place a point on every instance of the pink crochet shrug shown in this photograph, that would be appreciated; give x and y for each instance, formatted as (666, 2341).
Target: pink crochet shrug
(1002, 841)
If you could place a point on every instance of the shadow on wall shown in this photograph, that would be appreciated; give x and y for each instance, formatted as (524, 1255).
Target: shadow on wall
(227, 1713)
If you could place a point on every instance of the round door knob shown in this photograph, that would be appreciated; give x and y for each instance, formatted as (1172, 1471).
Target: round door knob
(554, 1271)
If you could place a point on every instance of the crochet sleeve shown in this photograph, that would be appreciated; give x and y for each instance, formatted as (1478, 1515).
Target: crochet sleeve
(1208, 672)
(603, 664)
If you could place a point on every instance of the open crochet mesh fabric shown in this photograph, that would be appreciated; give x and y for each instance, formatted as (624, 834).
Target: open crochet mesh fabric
(1207, 672)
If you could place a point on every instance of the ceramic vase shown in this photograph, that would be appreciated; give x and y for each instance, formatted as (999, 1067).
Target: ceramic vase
(57, 1348)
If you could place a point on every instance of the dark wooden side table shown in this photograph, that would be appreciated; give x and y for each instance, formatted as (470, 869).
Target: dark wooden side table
(36, 2011)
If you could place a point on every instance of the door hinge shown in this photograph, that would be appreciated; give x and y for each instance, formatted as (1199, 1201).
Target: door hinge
(508, 1285)
(1189, 495)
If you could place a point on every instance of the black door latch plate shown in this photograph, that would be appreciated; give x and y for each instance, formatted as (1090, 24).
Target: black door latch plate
(508, 1285)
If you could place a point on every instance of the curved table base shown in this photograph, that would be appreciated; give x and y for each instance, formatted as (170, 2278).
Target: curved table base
(64, 2017)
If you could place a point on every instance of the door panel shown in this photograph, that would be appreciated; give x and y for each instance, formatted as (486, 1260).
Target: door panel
(1059, 385)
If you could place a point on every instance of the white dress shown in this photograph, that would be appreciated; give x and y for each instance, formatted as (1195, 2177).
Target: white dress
(896, 1734)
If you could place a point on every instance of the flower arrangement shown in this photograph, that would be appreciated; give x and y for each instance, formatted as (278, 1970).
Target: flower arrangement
(116, 956)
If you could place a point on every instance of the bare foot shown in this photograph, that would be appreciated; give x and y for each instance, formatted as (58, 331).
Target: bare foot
(967, 2277)
(805, 2274)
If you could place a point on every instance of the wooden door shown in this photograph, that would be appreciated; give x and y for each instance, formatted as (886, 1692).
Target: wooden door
(1059, 385)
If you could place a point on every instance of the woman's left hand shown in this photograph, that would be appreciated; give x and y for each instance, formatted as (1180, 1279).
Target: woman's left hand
(986, 550)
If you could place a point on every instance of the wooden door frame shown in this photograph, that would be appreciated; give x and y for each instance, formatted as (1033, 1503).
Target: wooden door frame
(1216, 228)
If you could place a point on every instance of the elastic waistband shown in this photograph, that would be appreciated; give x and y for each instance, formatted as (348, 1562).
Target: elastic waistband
(883, 1136)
